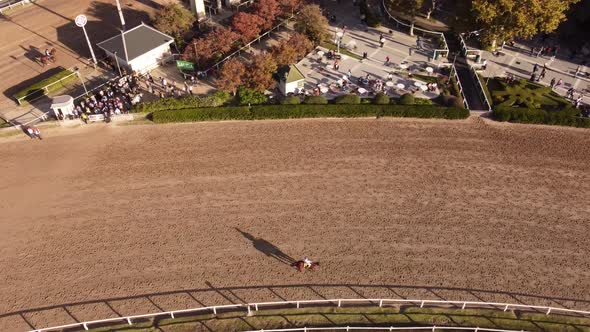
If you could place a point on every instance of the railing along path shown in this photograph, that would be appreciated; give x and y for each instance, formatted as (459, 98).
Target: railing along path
(249, 307)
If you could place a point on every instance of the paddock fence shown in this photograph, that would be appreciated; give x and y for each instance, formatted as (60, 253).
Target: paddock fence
(391, 328)
(438, 51)
(10, 4)
(250, 308)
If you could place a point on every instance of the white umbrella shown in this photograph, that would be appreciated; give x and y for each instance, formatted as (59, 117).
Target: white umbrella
(324, 89)
(401, 86)
(430, 70)
(389, 83)
(321, 53)
(418, 84)
(340, 82)
(344, 77)
(362, 90)
(423, 87)
(403, 66)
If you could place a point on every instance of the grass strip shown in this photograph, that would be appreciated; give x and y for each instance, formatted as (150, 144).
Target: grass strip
(38, 89)
(331, 46)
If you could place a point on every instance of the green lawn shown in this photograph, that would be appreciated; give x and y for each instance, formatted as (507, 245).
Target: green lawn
(523, 93)
(334, 47)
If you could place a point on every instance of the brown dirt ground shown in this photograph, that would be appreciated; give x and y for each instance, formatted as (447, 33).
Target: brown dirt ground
(108, 220)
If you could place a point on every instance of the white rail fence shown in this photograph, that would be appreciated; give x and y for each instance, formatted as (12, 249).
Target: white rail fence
(481, 89)
(437, 51)
(251, 307)
(8, 5)
(391, 328)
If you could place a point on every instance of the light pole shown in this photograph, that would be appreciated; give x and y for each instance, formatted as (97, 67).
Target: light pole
(121, 14)
(339, 35)
(117, 61)
(81, 21)
(81, 80)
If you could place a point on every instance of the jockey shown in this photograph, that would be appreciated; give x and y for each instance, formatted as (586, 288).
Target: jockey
(47, 53)
(306, 262)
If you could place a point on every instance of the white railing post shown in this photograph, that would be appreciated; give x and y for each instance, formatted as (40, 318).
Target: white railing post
(380, 303)
(464, 305)
(548, 311)
(422, 304)
(297, 304)
(249, 310)
(214, 311)
(256, 306)
(433, 328)
(506, 308)
(339, 303)
(85, 326)
(172, 314)
(129, 320)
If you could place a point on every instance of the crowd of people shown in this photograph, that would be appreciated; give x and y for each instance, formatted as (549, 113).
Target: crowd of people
(114, 98)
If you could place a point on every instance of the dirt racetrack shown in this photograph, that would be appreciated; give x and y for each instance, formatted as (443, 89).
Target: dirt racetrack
(108, 220)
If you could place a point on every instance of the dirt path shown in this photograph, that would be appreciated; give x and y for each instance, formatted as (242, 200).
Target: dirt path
(127, 219)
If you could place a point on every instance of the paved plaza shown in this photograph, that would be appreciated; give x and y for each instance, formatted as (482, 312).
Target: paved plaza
(519, 61)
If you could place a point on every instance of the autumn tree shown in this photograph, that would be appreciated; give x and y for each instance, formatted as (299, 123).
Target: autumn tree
(174, 20)
(312, 23)
(509, 19)
(290, 6)
(259, 75)
(231, 75)
(410, 8)
(284, 53)
(204, 51)
(268, 10)
(301, 44)
(247, 25)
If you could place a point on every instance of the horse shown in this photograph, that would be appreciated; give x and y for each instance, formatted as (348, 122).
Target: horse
(46, 59)
(299, 265)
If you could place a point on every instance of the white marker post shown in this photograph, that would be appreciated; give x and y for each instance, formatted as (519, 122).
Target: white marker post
(81, 21)
(121, 14)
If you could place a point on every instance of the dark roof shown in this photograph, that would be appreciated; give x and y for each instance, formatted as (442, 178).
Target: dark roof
(138, 41)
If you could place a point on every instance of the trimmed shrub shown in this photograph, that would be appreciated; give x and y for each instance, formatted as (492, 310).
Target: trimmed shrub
(407, 99)
(347, 100)
(307, 111)
(381, 99)
(216, 99)
(422, 101)
(566, 117)
(366, 101)
(293, 100)
(250, 97)
(202, 114)
(315, 100)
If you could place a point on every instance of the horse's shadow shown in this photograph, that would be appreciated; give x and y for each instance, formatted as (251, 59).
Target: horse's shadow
(32, 53)
(267, 248)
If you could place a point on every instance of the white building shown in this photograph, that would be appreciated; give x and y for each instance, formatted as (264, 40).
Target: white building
(138, 49)
(292, 80)
(62, 106)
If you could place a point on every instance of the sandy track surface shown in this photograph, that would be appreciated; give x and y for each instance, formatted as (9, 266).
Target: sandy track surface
(127, 220)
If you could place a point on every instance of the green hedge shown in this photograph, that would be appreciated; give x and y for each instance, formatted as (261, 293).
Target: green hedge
(307, 111)
(202, 114)
(347, 99)
(292, 100)
(315, 100)
(36, 90)
(565, 117)
(213, 100)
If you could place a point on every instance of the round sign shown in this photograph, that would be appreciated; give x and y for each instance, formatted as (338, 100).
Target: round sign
(81, 20)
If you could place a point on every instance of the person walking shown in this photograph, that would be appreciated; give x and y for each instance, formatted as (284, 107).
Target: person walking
(559, 83)
(535, 68)
(387, 60)
(552, 84)
(349, 74)
(542, 75)
(570, 93)
(579, 101)
(577, 72)
(484, 65)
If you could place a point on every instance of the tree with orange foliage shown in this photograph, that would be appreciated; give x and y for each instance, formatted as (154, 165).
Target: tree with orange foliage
(289, 6)
(259, 76)
(247, 25)
(206, 50)
(231, 75)
(268, 10)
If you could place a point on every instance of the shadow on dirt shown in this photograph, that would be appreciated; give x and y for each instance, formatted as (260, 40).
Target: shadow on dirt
(268, 248)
